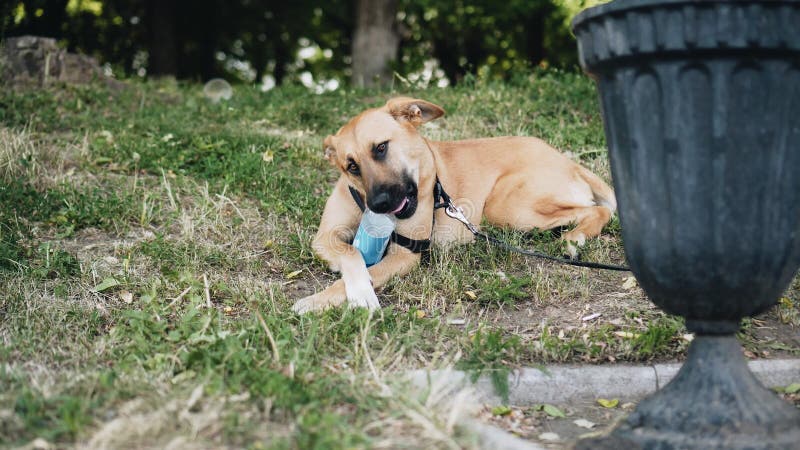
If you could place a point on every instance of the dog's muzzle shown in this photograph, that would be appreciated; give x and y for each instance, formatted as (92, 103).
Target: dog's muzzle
(399, 199)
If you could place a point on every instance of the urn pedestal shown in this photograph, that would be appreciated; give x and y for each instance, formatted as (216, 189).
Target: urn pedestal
(701, 107)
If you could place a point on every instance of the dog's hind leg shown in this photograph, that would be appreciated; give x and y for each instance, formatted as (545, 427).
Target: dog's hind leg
(581, 199)
(547, 214)
(589, 221)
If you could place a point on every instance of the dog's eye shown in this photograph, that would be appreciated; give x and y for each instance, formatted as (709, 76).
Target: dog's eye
(380, 150)
(352, 167)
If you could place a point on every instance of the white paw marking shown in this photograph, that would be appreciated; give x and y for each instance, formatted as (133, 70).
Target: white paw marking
(360, 294)
(573, 242)
(316, 302)
(572, 251)
(304, 305)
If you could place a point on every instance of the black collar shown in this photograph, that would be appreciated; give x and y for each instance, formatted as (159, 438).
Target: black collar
(440, 200)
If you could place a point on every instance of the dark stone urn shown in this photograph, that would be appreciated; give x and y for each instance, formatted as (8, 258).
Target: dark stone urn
(701, 104)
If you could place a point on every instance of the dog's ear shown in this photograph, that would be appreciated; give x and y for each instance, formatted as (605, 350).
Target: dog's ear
(414, 111)
(330, 152)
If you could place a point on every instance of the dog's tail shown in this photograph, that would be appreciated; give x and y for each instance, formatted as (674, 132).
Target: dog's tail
(603, 194)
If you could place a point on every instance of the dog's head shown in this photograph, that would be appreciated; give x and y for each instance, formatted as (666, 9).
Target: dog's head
(383, 155)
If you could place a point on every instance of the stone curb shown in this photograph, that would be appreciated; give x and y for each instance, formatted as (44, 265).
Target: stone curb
(563, 384)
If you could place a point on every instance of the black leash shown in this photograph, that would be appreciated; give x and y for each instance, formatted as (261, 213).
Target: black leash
(455, 212)
(442, 200)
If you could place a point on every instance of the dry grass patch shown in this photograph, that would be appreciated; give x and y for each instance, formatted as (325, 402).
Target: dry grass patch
(43, 162)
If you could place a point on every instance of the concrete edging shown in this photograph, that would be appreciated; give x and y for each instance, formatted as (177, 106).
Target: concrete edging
(562, 384)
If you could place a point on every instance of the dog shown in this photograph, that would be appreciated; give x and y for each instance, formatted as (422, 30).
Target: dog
(388, 166)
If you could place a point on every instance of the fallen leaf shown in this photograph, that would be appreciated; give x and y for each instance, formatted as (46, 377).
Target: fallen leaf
(194, 397)
(228, 310)
(39, 444)
(591, 317)
(792, 388)
(549, 437)
(553, 411)
(419, 314)
(606, 403)
(471, 295)
(456, 321)
(288, 371)
(294, 274)
(106, 284)
(626, 334)
(583, 423)
(629, 283)
(688, 337)
(501, 411)
(183, 376)
(107, 135)
(267, 156)
(126, 297)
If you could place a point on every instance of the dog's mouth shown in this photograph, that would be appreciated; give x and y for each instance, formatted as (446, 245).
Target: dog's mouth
(400, 207)
(406, 208)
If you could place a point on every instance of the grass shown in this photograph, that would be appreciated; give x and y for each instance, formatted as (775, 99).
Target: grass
(186, 204)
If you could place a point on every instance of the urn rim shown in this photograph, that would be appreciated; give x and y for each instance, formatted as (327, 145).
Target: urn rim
(618, 6)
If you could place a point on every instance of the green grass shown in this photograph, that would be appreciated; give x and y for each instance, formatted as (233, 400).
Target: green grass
(185, 203)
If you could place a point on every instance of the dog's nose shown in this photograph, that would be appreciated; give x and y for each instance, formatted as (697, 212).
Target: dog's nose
(380, 203)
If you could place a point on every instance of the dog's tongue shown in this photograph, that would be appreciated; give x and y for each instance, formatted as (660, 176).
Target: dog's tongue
(401, 206)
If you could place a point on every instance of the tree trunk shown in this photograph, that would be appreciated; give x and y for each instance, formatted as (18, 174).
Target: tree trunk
(534, 38)
(281, 60)
(375, 42)
(162, 48)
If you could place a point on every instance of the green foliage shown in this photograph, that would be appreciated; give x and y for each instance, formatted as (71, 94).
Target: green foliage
(503, 290)
(658, 336)
(485, 37)
(175, 258)
(66, 208)
(52, 262)
(492, 353)
(58, 418)
(245, 40)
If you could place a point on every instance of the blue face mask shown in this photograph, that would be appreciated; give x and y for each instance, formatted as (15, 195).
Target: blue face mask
(373, 236)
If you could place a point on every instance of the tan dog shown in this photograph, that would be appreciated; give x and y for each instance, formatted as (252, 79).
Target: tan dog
(519, 182)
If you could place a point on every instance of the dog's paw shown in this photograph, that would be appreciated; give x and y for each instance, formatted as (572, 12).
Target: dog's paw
(313, 303)
(360, 294)
(572, 243)
(571, 252)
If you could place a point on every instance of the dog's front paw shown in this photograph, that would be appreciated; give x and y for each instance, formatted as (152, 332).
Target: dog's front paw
(360, 294)
(317, 302)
